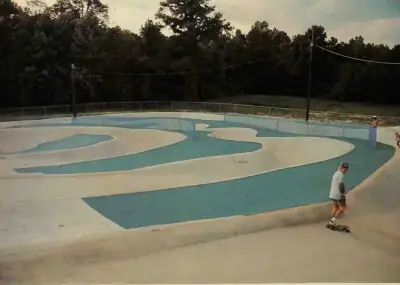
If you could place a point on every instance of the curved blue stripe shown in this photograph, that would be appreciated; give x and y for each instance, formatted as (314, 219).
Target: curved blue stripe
(197, 145)
(261, 193)
(71, 142)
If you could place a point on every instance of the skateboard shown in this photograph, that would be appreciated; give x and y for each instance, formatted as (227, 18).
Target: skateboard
(341, 228)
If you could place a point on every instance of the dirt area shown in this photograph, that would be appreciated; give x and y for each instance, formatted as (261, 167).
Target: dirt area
(316, 104)
(321, 110)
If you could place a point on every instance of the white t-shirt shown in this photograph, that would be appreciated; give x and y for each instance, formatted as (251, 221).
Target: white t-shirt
(336, 179)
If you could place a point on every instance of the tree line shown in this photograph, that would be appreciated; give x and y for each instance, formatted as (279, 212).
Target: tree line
(205, 58)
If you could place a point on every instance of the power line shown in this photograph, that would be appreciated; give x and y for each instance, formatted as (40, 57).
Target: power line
(229, 66)
(358, 59)
(180, 72)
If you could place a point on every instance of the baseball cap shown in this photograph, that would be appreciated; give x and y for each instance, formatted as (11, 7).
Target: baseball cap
(344, 164)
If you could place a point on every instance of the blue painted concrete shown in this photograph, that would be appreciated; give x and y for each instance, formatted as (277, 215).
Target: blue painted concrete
(71, 142)
(267, 192)
(196, 146)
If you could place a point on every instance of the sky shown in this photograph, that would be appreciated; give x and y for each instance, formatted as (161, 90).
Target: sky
(377, 21)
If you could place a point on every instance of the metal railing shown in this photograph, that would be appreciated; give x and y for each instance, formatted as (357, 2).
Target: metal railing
(43, 112)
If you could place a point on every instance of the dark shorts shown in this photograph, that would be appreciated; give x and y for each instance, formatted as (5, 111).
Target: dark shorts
(340, 202)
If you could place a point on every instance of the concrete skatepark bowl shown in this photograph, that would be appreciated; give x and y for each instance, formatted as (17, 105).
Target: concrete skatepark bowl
(127, 190)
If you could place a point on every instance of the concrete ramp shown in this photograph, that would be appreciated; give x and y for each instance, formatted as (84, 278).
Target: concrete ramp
(374, 206)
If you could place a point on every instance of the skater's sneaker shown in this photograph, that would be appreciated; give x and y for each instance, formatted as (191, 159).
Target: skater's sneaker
(332, 223)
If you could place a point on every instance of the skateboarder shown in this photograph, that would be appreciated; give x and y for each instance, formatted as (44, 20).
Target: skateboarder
(398, 138)
(338, 193)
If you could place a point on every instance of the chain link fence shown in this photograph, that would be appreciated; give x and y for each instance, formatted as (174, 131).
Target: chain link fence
(32, 113)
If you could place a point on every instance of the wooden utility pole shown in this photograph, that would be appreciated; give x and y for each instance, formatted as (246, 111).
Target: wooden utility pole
(310, 75)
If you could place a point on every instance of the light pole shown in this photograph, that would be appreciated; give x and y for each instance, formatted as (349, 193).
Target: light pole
(310, 76)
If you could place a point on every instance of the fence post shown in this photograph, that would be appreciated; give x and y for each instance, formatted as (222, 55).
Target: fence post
(372, 135)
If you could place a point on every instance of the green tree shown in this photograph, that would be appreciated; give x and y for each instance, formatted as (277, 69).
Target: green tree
(201, 60)
(196, 25)
(77, 9)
